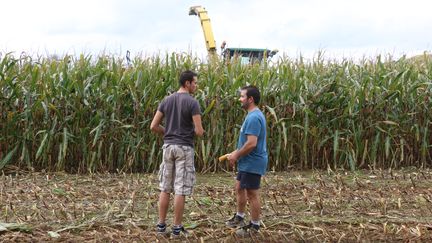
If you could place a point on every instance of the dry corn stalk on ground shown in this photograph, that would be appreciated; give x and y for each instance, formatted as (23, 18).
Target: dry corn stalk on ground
(296, 206)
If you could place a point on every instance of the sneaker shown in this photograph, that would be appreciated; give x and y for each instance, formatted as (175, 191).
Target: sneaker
(178, 232)
(248, 230)
(235, 221)
(161, 229)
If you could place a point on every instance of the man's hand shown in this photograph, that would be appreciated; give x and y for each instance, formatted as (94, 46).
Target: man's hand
(155, 124)
(233, 157)
(199, 130)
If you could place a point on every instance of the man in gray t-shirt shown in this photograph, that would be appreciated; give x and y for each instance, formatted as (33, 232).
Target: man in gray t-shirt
(182, 117)
(178, 110)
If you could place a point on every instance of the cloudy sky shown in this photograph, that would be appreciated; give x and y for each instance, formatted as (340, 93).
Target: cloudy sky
(339, 28)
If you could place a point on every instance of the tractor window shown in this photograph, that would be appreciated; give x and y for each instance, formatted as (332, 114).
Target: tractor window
(245, 60)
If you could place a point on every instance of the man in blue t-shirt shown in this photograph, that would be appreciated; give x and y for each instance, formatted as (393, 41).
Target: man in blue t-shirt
(251, 156)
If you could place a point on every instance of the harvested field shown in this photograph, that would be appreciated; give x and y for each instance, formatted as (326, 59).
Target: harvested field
(297, 206)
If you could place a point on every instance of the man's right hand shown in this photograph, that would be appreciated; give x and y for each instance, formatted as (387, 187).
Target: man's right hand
(233, 157)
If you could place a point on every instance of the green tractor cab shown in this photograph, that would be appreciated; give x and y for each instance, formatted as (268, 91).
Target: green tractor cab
(247, 55)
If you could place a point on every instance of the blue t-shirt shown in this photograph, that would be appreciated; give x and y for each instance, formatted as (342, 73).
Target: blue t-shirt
(256, 161)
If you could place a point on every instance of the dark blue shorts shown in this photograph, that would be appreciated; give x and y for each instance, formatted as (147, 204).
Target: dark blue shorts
(249, 180)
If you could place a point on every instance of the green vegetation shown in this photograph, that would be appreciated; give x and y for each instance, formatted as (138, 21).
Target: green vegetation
(89, 114)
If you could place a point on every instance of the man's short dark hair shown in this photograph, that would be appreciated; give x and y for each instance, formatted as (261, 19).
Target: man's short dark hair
(252, 91)
(187, 75)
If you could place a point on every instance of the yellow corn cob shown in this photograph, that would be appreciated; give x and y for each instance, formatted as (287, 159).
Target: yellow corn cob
(223, 157)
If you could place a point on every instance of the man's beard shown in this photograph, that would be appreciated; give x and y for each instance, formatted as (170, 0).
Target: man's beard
(245, 105)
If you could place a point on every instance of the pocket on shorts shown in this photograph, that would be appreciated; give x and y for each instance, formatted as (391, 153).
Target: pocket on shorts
(189, 165)
(190, 176)
(188, 154)
(161, 172)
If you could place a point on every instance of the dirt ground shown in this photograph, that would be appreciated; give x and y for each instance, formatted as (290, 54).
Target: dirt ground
(314, 206)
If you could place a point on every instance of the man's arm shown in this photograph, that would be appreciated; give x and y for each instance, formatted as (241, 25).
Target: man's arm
(249, 145)
(199, 130)
(155, 124)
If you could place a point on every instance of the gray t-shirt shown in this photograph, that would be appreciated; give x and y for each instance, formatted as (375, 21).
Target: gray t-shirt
(178, 110)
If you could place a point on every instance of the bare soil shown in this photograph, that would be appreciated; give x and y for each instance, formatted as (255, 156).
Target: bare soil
(314, 206)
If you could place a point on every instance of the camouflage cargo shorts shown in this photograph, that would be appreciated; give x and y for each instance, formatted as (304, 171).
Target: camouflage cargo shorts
(177, 171)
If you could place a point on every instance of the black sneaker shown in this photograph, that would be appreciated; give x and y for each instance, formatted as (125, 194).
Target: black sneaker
(235, 221)
(248, 230)
(179, 231)
(161, 229)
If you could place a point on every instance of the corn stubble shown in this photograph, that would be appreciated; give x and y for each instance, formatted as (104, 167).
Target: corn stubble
(362, 206)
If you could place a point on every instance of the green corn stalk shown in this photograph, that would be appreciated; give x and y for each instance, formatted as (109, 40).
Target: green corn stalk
(89, 113)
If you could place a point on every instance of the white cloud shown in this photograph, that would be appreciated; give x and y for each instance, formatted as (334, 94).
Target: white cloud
(339, 27)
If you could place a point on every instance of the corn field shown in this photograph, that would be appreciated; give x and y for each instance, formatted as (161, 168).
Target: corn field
(87, 114)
